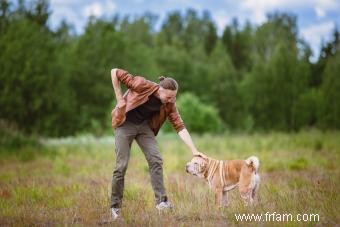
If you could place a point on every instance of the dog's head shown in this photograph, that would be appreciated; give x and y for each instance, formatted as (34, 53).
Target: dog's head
(197, 166)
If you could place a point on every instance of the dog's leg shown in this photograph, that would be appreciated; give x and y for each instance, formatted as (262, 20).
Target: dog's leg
(225, 201)
(245, 193)
(218, 196)
(246, 196)
(248, 192)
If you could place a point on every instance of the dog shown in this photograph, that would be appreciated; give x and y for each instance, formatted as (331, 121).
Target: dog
(223, 176)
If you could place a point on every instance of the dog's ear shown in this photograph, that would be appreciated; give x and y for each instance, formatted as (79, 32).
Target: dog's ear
(201, 155)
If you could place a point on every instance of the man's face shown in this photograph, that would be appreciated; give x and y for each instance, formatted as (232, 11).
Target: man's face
(167, 95)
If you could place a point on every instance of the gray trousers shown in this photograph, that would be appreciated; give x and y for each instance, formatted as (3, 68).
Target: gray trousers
(124, 136)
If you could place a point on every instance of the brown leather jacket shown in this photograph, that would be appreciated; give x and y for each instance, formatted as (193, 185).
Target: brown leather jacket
(139, 89)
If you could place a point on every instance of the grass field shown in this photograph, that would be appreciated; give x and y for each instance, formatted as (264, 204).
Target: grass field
(68, 181)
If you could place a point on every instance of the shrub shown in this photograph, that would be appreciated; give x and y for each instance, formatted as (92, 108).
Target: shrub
(11, 139)
(198, 117)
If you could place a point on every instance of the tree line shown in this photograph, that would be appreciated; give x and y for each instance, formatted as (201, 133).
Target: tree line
(57, 82)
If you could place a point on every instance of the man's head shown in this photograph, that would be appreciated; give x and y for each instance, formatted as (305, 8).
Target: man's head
(167, 89)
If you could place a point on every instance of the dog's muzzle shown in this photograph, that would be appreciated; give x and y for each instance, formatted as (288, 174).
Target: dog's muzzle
(186, 168)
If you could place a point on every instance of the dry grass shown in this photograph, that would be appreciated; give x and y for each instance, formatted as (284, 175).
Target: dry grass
(69, 182)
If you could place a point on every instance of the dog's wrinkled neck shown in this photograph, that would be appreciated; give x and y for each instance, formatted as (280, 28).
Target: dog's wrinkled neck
(206, 170)
(212, 167)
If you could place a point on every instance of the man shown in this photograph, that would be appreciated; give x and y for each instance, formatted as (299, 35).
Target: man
(138, 115)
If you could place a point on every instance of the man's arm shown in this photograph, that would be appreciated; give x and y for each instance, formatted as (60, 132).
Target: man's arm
(185, 136)
(117, 88)
(135, 83)
(178, 124)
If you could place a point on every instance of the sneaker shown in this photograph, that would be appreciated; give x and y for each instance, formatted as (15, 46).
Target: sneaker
(115, 213)
(164, 206)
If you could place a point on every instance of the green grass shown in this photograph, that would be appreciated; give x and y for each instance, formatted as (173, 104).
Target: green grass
(68, 181)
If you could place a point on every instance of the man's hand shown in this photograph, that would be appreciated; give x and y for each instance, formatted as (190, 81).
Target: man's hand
(113, 71)
(185, 136)
(197, 153)
(121, 103)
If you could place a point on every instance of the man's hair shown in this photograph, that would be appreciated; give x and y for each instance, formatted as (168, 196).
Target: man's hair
(168, 83)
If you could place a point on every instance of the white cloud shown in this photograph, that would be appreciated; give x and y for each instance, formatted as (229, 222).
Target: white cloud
(94, 9)
(222, 18)
(314, 34)
(110, 6)
(257, 9)
(319, 12)
(65, 13)
(77, 12)
(327, 4)
(290, 4)
(321, 6)
(58, 2)
(99, 8)
(317, 30)
(138, 1)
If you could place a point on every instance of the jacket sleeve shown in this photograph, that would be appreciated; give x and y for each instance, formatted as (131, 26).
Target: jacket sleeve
(175, 119)
(136, 83)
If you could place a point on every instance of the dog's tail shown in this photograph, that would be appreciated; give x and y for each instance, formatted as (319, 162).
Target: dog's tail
(254, 162)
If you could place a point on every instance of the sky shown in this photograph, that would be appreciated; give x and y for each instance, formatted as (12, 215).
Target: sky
(316, 19)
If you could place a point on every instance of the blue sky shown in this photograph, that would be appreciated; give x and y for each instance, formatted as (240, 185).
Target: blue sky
(316, 18)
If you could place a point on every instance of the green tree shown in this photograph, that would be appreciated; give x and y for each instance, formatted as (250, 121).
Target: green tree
(328, 50)
(28, 88)
(279, 28)
(210, 35)
(139, 50)
(39, 12)
(90, 59)
(140, 29)
(239, 44)
(4, 15)
(309, 108)
(176, 63)
(222, 84)
(331, 94)
(273, 90)
(172, 30)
